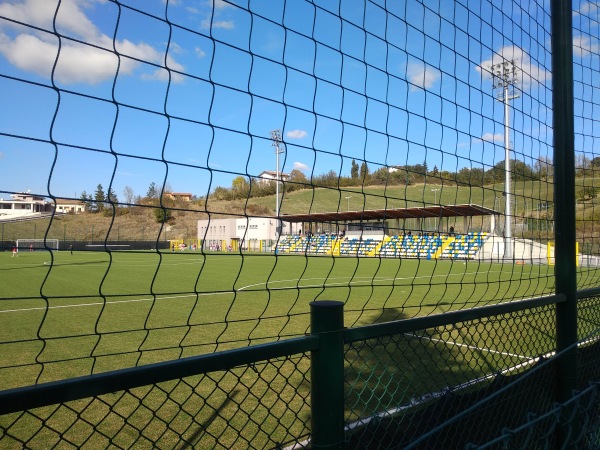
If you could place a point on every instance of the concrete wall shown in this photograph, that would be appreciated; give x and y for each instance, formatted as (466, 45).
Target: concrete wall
(523, 250)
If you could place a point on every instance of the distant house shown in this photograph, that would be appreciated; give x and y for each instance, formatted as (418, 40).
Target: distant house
(266, 176)
(67, 206)
(23, 205)
(184, 196)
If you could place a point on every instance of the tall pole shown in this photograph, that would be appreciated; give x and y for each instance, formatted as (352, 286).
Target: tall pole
(435, 191)
(505, 76)
(435, 196)
(565, 269)
(276, 138)
(507, 225)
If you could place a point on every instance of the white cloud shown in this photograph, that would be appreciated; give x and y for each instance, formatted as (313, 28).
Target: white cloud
(41, 13)
(77, 63)
(296, 134)
(199, 52)
(588, 9)
(219, 4)
(584, 46)
(225, 24)
(300, 166)
(421, 75)
(529, 72)
(489, 137)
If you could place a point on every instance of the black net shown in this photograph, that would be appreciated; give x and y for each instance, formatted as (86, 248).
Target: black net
(412, 147)
(259, 406)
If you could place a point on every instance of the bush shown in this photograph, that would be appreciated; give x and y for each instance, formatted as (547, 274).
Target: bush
(163, 215)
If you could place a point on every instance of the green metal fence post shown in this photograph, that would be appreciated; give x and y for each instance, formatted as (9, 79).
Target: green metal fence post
(327, 375)
(565, 213)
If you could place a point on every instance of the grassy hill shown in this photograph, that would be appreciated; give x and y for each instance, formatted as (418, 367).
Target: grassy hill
(139, 222)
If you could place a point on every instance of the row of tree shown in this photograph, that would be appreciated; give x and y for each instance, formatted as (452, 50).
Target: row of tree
(107, 202)
(361, 175)
(243, 187)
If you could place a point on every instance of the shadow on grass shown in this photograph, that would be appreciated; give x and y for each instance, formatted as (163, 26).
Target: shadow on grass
(400, 387)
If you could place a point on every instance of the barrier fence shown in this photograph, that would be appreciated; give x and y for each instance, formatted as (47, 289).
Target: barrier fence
(471, 120)
(469, 379)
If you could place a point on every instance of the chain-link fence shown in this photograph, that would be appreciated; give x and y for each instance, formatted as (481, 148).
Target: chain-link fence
(482, 379)
(435, 174)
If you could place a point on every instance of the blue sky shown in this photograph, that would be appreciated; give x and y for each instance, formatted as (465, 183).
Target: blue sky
(372, 86)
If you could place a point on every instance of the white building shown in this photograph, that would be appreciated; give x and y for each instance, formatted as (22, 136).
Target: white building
(251, 233)
(266, 176)
(66, 206)
(24, 205)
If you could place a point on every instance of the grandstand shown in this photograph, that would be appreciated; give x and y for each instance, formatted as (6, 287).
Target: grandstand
(429, 246)
(383, 233)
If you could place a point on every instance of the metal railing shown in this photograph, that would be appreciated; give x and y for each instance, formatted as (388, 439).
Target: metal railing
(448, 380)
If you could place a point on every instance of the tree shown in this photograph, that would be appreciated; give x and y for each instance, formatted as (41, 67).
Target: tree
(364, 171)
(587, 193)
(221, 193)
(354, 170)
(470, 177)
(87, 200)
(519, 171)
(112, 196)
(152, 191)
(544, 168)
(99, 198)
(381, 176)
(297, 181)
(240, 187)
(329, 179)
(582, 164)
(128, 194)
(162, 215)
(298, 177)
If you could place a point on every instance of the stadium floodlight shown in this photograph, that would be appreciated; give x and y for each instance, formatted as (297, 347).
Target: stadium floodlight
(505, 76)
(276, 138)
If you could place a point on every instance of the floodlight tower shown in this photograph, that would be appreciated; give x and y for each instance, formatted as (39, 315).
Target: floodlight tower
(276, 138)
(505, 76)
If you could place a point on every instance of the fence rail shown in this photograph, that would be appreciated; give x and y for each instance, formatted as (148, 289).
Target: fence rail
(393, 378)
(388, 119)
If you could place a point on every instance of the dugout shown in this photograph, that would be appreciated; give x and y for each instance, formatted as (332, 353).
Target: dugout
(379, 222)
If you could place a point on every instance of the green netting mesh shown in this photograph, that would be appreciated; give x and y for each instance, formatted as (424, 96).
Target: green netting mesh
(182, 178)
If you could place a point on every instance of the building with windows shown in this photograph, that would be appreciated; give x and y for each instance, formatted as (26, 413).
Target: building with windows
(266, 176)
(246, 233)
(66, 206)
(183, 196)
(23, 205)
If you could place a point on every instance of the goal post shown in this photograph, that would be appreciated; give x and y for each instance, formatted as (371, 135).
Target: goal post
(37, 244)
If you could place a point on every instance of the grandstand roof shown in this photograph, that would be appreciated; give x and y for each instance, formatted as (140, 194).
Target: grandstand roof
(396, 213)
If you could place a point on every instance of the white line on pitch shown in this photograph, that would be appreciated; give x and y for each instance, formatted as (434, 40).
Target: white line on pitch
(356, 280)
(471, 347)
(199, 294)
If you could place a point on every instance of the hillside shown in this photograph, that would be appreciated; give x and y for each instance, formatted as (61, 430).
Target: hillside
(139, 223)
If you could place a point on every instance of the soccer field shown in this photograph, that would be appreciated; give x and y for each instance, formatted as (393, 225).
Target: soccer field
(65, 315)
